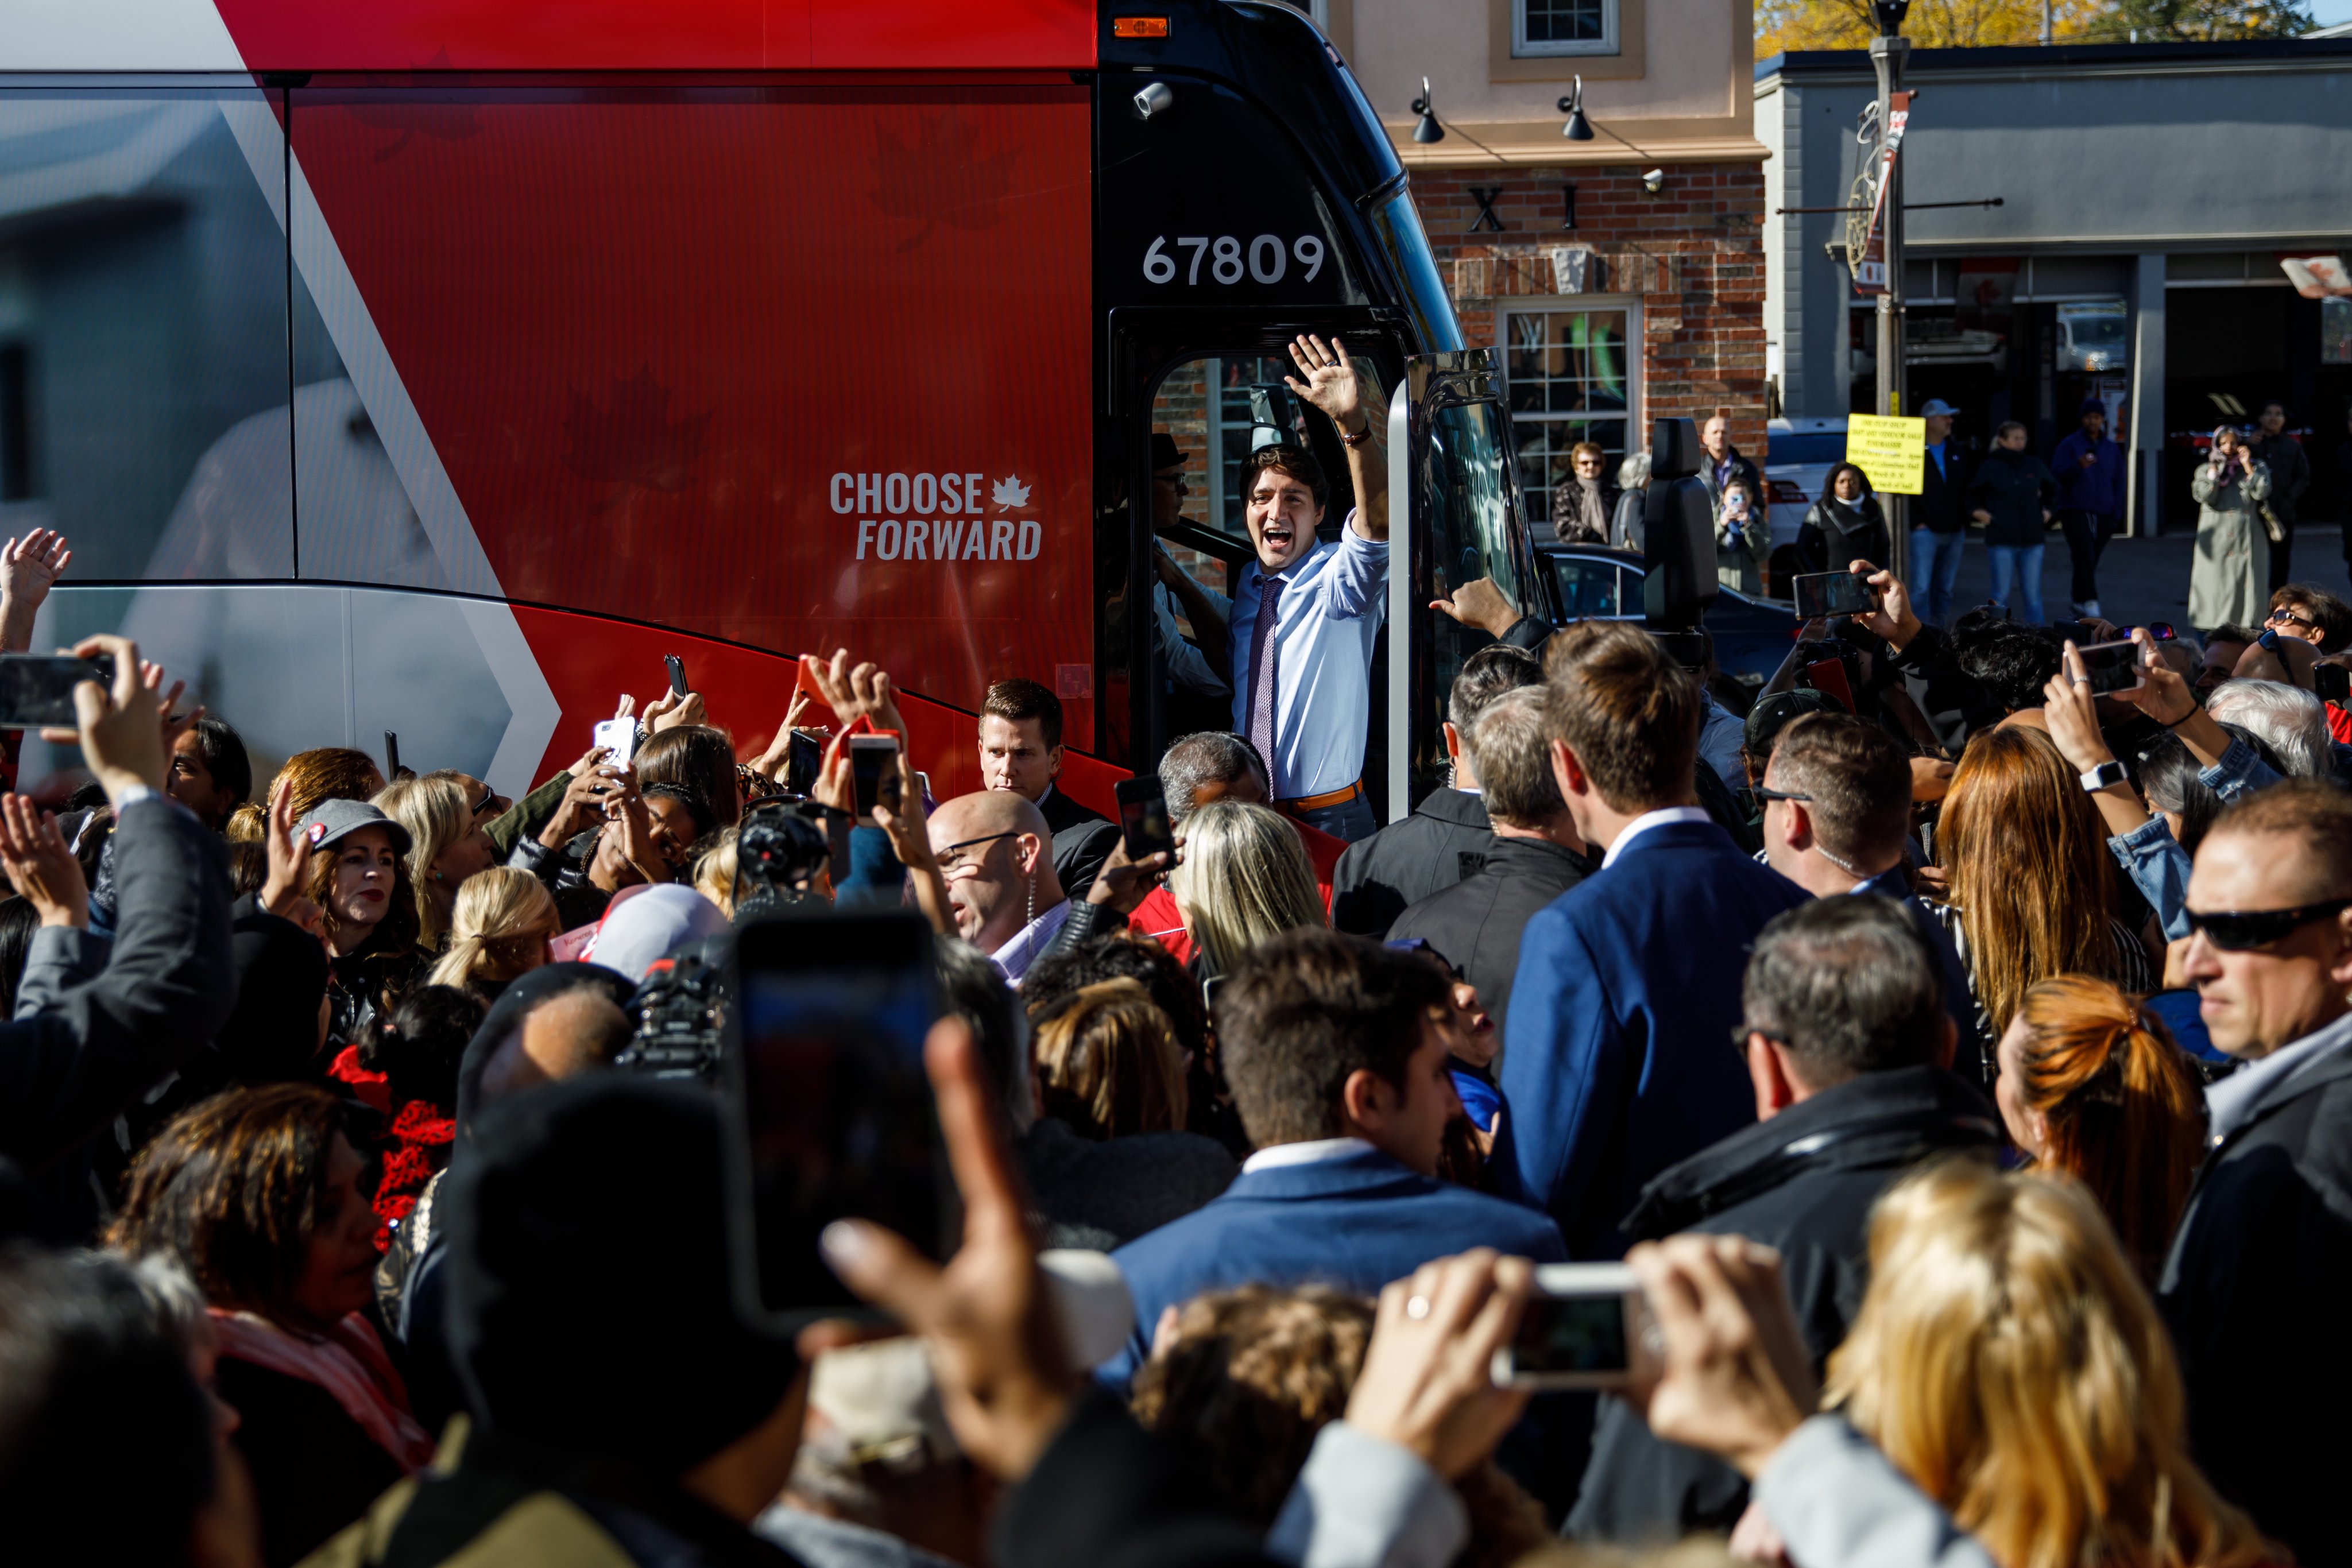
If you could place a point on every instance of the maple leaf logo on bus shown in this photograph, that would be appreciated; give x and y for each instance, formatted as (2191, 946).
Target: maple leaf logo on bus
(939, 180)
(1007, 493)
(634, 441)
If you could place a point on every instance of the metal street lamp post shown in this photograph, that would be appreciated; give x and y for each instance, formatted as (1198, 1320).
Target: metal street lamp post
(1888, 52)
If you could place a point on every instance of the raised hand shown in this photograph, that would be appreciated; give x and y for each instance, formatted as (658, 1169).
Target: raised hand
(29, 567)
(996, 1347)
(669, 710)
(855, 692)
(1331, 383)
(282, 890)
(39, 864)
(2071, 712)
(120, 732)
(175, 723)
(1737, 1379)
(1124, 882)
(772, 763)
(583, 805)
(1893, 621)
(1427, 1383)
(1480, 604)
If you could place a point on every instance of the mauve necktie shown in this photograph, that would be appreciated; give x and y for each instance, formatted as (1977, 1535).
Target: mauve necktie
(1262, 670)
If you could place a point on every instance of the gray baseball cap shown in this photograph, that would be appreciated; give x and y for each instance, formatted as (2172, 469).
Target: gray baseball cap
(332, 822)
(1933, 406)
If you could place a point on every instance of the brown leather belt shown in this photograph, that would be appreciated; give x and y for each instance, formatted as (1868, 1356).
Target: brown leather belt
(1316, 802)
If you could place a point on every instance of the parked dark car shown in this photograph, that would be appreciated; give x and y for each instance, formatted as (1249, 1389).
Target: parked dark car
(1751, 635)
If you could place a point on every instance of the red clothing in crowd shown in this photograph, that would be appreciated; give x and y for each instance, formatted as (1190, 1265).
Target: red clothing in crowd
(1157, 915)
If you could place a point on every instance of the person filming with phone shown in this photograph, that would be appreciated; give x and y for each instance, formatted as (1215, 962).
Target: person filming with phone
(2229, 580)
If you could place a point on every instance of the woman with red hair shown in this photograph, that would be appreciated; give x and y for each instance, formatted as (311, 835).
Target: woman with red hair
(2092, 1085)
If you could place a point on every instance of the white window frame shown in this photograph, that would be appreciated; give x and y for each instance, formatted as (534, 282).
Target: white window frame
(1635, 384)
(1522, 49)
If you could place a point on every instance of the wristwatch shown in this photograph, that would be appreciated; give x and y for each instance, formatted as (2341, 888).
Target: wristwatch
(2099, 778)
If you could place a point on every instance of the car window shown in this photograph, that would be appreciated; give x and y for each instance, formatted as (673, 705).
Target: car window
(1587, 587)
(1807, 446)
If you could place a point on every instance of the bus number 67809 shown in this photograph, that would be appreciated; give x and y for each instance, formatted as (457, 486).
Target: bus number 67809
(1267, 259)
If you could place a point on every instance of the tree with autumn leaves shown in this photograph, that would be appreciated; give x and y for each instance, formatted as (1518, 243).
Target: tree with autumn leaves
(1785, 25)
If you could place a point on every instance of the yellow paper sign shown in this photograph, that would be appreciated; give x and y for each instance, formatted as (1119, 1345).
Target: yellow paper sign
(1890, 451)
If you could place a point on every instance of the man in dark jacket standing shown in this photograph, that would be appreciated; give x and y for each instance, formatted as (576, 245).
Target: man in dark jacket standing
(1939, 519)
(170, 982)
(1847, 1047)
(2262, 1265)
(2090, 471)
(2282, 455)
(1445, 839)
(1535, 855)
(2010, 496)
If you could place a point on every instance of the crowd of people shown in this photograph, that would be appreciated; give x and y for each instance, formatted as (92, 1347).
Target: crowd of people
(1958, 1052)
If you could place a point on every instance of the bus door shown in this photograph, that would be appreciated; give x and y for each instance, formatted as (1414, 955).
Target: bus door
(1454, 516)
(1213, 390)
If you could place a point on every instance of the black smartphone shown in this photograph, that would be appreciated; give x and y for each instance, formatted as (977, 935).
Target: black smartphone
(874, 771)
(2113, 667)
(2332, 684)
(803, 759)
(37, 689)
(1583, 1328)
(1823, 593)
(390, 755)
(832, 1109)
(678, 686)
(1143, 818)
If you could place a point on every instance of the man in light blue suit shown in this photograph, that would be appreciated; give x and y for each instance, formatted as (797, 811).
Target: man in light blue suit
(1618, 1058)
(1335, 1051)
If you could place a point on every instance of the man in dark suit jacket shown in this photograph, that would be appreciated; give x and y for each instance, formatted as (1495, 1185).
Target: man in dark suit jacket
(1021, 750)
(1476, 923)
(1341, 1077)
(1837, 809)
(1847, 1048)
(1617, 1062)
(1445, 838)
(69, 1070)
(2261, 1268)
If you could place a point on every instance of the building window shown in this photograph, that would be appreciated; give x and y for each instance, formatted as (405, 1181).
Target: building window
(1563, 27)
(1571, 377)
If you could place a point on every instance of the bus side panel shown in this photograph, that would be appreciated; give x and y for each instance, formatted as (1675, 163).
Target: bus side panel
(641, 35)
(797, 368)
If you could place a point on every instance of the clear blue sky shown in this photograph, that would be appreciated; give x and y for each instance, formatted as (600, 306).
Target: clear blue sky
(2327, 13)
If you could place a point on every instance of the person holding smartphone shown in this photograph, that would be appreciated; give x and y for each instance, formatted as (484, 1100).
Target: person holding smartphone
(1741, 539)
(2229, 580)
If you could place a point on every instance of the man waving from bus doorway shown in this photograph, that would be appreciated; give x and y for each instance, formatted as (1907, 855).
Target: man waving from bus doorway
(1300, 626)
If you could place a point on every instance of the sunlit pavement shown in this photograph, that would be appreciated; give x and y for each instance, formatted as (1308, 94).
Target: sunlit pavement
(2147, 579)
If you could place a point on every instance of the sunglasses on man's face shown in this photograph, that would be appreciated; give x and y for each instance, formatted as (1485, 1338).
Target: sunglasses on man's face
(2243, 930)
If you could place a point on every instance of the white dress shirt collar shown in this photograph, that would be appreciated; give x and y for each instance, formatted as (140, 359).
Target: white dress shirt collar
(2228, 1101)
(1015, 956)
(1314, 1152)
(1645, 823)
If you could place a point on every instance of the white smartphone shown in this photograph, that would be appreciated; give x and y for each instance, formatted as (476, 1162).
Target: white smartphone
(1586, 1327)
(618, 737)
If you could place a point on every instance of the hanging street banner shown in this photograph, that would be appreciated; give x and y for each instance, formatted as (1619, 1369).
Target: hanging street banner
(1870, 270)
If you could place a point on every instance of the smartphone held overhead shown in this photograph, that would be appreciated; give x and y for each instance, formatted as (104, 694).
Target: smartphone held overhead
(37, 689)
(1143, 818)
(874, 770)
(618, 737)
(1587, 1326)
(830, 1104)
(1822, 593)
(2113, 667)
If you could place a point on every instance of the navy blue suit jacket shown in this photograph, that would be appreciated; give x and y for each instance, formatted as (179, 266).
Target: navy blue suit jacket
(1356, 1222)
(1618, 1059)
(1958, 999)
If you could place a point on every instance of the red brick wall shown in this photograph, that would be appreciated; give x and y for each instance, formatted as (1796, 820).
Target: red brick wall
(1693, 254)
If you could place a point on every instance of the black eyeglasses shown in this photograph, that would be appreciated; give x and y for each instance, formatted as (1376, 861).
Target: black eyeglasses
(2242, 930)
(1761, 793)
(950, 861)
(2283, 616)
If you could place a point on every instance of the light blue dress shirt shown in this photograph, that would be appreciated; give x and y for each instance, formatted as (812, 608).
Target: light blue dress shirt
(1330, 612)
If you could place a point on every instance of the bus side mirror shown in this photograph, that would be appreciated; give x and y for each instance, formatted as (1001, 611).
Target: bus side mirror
(1677, 548)
(1674, 451)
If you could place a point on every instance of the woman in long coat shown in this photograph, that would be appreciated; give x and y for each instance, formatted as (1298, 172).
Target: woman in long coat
(2228, 583)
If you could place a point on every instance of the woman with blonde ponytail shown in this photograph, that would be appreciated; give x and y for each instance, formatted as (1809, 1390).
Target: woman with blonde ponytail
(2093, 1086)
(498, 932)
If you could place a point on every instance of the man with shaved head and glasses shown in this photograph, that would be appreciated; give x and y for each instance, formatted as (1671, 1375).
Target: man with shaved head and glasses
(2260, 1278)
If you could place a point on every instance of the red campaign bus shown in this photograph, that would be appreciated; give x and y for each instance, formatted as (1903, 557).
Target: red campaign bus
(436, 367)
